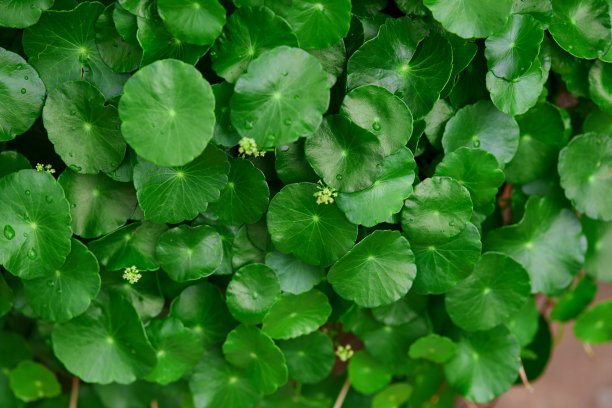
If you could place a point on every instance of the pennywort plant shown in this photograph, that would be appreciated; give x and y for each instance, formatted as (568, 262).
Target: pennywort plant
(299, 203)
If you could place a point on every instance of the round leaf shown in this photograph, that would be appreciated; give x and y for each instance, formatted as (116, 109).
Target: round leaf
(21, 95)
(21, 14)
(31, 381)
(600, 85)
(193, 21)
(599, 251)
(514, 49)
(481, 125)
(249, 33)
(12, 161)
(346, 156)
(377, 271)
(544, 229)
(296, 315)
(585, 168)
(471, 18)
(117, 53)
(594, 325)
(496, 290)
(438, 209)
(99, 204)
(316, 233)
(478, 171)
(382, 113)
(69, 291)
(62, 48)
(295, 276)
(106, 344)
(433, 347)
(35, 226)
(517, 96)
(441, 266)
(167, 113)
(367, 375)
(180, 193)
(247, 347)
(178, 349)
(225, 133)
(582, 27)
(572, 303)
(252, 292)
(245, 196)
(393, 396)
(187, 253)
(486, 364)
(309, 358)
(291, 164)
(281, 98)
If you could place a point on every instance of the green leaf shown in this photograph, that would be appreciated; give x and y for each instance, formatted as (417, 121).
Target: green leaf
(496, 290)
(35, 224)
(478, 171)
(441, 266)
(316, 233)
(116, 52)
(281, 98)
(402, 311)
(291, 164)
(524, 324)
(385, 197)
(158, 43)
(263, 362)
(517, 96)
(310, 358)
(486, 364)
(21, 14)
(197, 22)
(31, 381)
(70, 290)
(225, 133)
(167, 104)
(99, 204)
(399, 61)
(131, 245)
(582, 27)
(12, 161)
(515, 48)
(571, 304)
(187, 253)
(141, 8)
(317, 24)
(393, 396)
(252, 292)
(482, 126)
(382, 113)
(377, 271)
(214, 383)
(296, 315)
(21, 94)
(332, 59)
(245, 196)
(367, 374)
(542, 135)
(6, 297)
(438, 210)
(62, 48)
(535, 241)
(178, 349)
(202, 308)
(600, 85)
(346, 156)
(594, 325)
(175, 194)
(586, 177)
(599, 250)
(14, 349)
(84, 131)
(249, 33)
(126, 24)
(438, 349)
(471, 18)
(106, 344)
(541, 10)
(436, 120)
(295, 276)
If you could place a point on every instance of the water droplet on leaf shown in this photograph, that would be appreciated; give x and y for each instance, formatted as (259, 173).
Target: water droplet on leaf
(248, 124)
(476, 143)
(32, 253)
(50, 283)
(288, 122)
(48, 199)
(26, 77)
(376, 125)
(338, 176)
(23, 90)
(9, 232)
(27, 192)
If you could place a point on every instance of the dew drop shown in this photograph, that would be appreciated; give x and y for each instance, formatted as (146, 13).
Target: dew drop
(48, 199)
(285, 73)
(25, 234)
(28, 192)
(296, 97)
(72, 113)
(476, 143)
(255, 295)
(23, 90)
(248, 124)
(271, 136)
(9, 232)
(376, 125)
(19, 66)
(70, 154)
(338, 176)
(26, 77)
(451, 224)
(284, 148)
(288, 122)
(73, 205)
(75, 167)
(32, 253)
(50, 283)
(59, 291)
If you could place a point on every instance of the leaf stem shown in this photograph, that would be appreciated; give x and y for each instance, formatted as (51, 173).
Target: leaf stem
(524, 378)
(342, 395)
(74, 392)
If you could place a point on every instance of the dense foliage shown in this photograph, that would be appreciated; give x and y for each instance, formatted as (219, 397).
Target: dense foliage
(287, 203)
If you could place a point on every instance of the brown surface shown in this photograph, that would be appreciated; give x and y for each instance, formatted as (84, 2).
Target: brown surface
(572, 379)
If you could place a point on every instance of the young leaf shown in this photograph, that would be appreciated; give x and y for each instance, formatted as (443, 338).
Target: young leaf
(594, 325)
(252, 292)
(32, 381)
